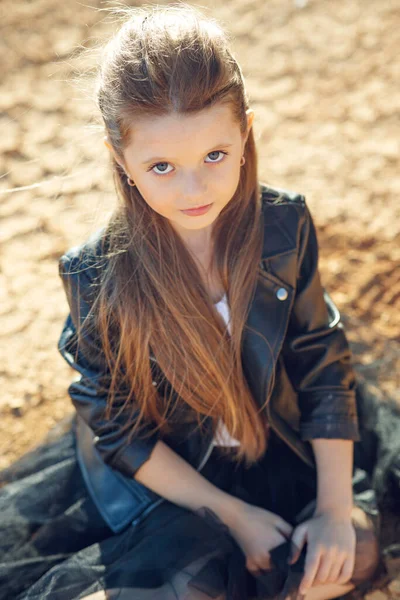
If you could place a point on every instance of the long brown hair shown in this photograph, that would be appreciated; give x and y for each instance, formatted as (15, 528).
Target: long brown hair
(151, 299)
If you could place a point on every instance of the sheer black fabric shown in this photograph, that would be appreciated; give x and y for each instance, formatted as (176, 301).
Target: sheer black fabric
(54, 544)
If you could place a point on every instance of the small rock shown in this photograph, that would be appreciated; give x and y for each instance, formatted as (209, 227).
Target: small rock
(11, 136)
(17, 407)
(24, 173)
(363, 113)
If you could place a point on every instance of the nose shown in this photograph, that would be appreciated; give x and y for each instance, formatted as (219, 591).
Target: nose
(195, 190)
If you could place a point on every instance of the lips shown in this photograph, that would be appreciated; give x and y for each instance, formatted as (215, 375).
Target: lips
(196, 207)
(197, 211)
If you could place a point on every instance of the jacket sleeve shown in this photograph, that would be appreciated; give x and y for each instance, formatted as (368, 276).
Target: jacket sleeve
(316, 351)
(89, 391)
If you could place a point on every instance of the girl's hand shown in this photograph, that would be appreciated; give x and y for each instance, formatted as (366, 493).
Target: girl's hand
(257, 531)
(331, 545)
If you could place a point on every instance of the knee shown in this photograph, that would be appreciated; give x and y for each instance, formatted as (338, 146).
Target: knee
(367, 553)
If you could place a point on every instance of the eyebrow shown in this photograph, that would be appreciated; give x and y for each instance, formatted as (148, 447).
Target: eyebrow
(163, 159)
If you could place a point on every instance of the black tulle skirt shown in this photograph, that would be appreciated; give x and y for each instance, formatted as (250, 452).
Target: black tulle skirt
(54, 544)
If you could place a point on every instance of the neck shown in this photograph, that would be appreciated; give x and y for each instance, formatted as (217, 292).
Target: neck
(197, 241)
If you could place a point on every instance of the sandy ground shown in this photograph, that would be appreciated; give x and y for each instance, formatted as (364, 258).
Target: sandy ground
(323, 79)
(322, 82)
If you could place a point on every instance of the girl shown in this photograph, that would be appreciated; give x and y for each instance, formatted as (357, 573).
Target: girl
(211, 451)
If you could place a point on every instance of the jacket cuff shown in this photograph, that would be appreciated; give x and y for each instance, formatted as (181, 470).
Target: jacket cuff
(331, 429)
(329, 414)
(131, 457)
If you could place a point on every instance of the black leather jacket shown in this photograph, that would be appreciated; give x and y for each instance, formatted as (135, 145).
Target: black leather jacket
(314, 391)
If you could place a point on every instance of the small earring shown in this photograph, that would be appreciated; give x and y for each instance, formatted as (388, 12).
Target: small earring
(130, 182)
(242, 161)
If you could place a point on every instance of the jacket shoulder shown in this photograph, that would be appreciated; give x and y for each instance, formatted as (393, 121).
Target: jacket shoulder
(284, 212)
(277, 196)
(86, 258)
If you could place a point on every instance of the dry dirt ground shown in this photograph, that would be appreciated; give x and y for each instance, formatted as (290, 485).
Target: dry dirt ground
(323, 78)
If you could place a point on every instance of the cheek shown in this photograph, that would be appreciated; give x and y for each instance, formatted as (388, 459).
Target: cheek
(159, 199)
(227, 180)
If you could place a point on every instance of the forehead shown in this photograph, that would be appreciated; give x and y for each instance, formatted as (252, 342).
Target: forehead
(167, 133)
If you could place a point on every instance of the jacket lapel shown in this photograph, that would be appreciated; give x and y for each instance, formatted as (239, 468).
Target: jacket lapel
(270, 307)
(264, 332)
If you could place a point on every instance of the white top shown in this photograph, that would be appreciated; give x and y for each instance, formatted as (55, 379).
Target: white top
(222, 437)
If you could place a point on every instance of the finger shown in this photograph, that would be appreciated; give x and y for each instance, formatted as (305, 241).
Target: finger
(310, 570)
(257, 567)
(295, 552)
(284, 528)
(298, 540)
(250, 565)
(336, 568)
(325, 566)
(347, 571)
(265, 564)
(258, 572)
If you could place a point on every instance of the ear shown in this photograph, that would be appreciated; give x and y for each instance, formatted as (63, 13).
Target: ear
(250, 119)
(107, 144)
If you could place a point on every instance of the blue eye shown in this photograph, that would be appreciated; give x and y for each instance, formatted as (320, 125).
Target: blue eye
(158, 167)
(216, 152)
(164, 165)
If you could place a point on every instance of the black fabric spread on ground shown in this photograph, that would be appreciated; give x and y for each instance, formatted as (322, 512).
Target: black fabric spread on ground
(54, 544)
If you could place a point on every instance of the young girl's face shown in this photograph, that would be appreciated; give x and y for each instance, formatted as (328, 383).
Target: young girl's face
(183, 161)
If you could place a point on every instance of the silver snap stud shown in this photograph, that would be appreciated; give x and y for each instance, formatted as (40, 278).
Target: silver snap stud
(154, 382)
(281, 294)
